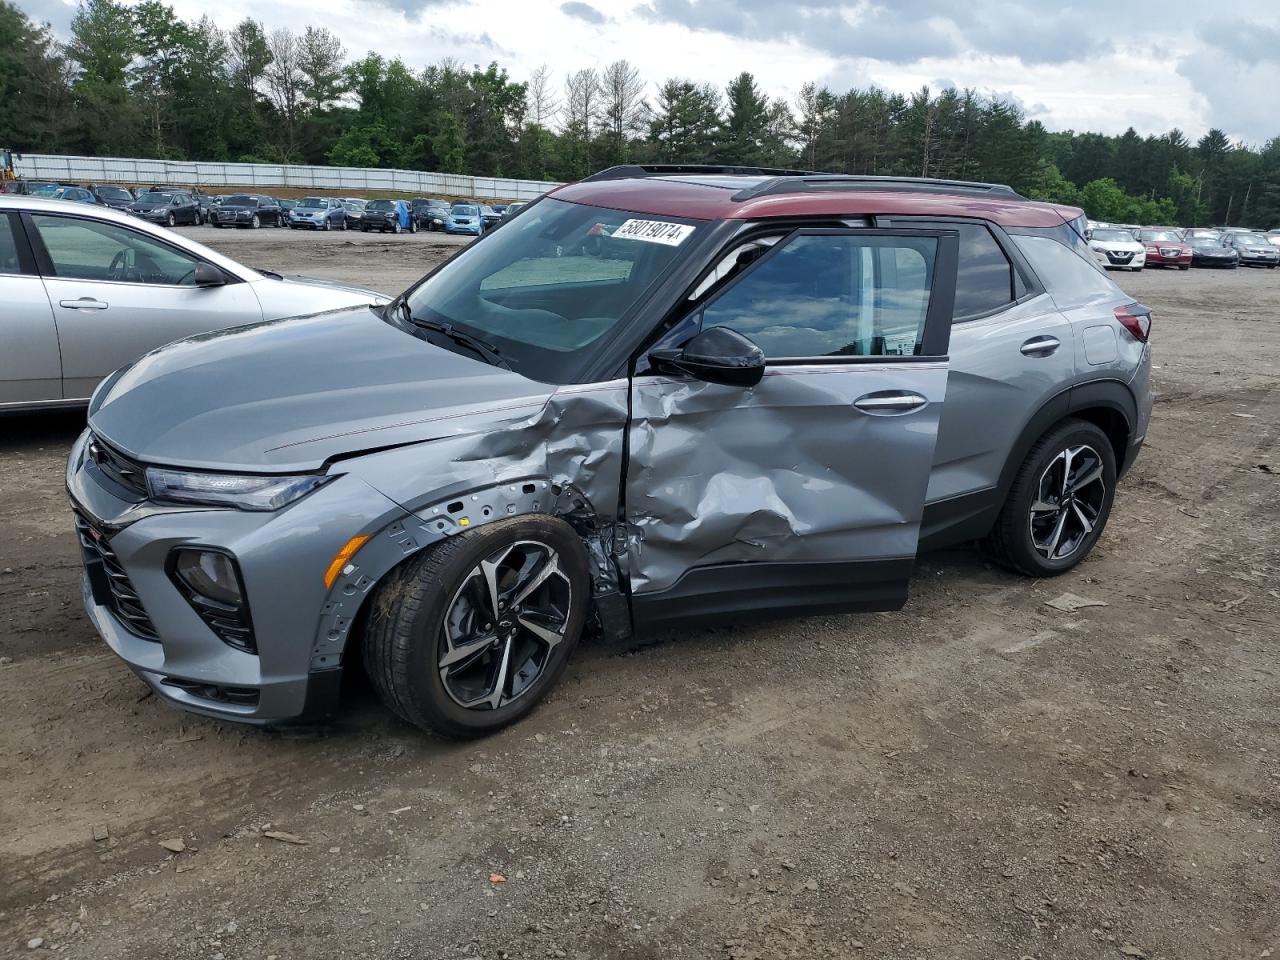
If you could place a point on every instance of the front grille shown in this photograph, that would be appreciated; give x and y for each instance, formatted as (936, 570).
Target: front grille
(115, 466)
(108, 581)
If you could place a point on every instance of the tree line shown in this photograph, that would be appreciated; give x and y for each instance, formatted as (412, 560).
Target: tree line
(137, 80)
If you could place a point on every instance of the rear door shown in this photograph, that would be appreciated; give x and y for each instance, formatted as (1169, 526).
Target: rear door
(1012, 352)
(30, 368)
(117, 293)
(805, 491)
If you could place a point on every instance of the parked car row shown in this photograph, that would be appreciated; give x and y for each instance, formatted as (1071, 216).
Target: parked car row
(176, 207)
(1125, 247)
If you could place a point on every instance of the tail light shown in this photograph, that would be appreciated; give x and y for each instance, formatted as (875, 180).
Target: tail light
(1135, 318)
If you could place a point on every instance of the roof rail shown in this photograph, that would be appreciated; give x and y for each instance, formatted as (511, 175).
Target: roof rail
(835, 182)
(628, 171)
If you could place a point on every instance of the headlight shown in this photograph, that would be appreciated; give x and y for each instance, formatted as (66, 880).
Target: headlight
(226, 490)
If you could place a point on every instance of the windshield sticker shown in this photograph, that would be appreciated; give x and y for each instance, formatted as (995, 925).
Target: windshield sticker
(653, 231)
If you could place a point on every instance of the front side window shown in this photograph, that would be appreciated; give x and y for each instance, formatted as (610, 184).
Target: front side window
(552, 284)
(8, 246)
(92, 250)
(833, 295)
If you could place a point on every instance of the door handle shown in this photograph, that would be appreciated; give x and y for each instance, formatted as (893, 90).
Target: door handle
(84, 303)
(1040, 346)
(890, 401)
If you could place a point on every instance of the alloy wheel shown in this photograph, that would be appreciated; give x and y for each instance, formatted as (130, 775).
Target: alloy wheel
(504, 621)
(1069, 500)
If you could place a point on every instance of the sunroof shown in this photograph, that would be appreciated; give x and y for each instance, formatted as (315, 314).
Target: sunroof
(721, 180)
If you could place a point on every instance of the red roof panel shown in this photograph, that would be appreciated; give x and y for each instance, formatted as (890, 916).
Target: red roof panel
(661, 196)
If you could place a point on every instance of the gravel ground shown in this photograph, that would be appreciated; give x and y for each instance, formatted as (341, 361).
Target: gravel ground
(978, 776)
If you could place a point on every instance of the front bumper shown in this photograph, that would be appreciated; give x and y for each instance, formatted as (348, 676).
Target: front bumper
(1156, 258)
(1125, 260)
(474, 228)
(282, 556)
(1260, 259)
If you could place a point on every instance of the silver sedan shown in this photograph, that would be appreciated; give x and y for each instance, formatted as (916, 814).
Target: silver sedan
(85, 290)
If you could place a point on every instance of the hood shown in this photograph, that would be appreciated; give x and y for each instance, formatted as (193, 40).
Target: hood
(287, 395)
(371, 296)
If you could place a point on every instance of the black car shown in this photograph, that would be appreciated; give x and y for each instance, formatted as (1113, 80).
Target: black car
(204, 201)
(251, 210)
(170, 207)
(110, 196)
(429, 213)
(388, 215)
(1208, 252)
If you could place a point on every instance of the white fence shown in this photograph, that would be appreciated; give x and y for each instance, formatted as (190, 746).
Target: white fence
(187, 173)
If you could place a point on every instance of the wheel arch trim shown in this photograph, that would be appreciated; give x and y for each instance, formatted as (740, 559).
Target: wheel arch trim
(428, 525)
(1102, 394)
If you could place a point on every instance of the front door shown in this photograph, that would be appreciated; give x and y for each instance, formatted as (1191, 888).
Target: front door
(117, 294)
(806, 490)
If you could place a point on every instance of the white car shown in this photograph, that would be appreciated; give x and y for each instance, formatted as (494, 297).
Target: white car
(85, 290)
(1273, 237)
(1116, 249)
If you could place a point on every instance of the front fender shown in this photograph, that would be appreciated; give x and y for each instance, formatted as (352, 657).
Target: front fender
(565, 460)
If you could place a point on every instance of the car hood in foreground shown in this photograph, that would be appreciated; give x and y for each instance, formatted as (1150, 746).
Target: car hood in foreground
(288, 395)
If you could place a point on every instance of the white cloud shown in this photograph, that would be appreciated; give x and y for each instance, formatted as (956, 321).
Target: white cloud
(1087, 65)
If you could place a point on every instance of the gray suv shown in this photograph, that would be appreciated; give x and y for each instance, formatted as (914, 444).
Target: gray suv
(657, 394)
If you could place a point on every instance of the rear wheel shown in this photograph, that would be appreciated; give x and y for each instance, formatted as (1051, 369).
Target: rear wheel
(468, 636)
(1059, 502)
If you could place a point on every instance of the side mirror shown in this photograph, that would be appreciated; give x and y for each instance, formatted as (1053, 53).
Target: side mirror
(207, 275)
(716, 355)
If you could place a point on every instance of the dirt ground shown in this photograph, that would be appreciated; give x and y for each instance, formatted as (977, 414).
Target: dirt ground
(978, 776)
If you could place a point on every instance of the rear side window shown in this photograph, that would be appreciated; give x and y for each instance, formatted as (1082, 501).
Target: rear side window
(1068, 276)
(985, 280)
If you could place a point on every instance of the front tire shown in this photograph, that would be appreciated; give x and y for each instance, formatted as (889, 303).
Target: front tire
(255, 222)
(172, 221)
(1059, 502)
(469, 635)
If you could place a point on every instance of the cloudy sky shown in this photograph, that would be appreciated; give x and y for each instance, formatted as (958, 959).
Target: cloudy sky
(1092, 65)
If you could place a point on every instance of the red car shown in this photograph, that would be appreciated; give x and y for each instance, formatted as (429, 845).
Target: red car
(1165, 249)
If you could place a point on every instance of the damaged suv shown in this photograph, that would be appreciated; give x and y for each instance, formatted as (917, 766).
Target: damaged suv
(656, 394)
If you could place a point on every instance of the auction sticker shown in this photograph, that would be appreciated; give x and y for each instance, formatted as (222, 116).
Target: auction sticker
(653, 231)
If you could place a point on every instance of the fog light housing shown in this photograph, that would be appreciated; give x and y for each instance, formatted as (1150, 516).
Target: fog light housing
(210, 581)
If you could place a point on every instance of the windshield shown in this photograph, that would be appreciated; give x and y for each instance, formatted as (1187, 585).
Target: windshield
(114, 193)
(1206, 242)
(463, 210)
(1113, 235)
(48, 190)
(240, 200)
(156, 198)
(313, 203)
(551, 284)
(1161, 236)
(382, 205)
(1250, 238)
